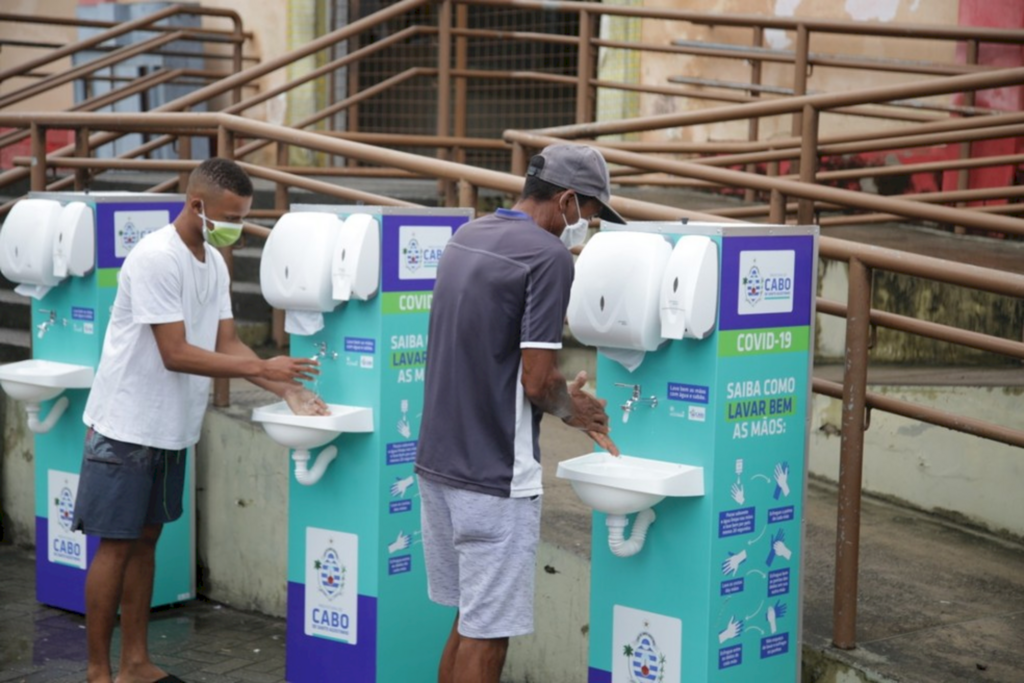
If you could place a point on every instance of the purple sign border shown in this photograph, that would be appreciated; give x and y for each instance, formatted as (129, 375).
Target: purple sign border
(106, 254)
(390, 249)
(729, 317)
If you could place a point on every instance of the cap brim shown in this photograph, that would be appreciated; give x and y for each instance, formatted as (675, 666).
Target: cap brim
(607, 213)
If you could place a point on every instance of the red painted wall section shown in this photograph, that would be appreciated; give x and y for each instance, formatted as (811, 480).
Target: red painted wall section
(1005, 14)
(55, 139)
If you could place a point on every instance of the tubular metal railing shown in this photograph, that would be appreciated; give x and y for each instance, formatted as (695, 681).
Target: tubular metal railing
(636, 163)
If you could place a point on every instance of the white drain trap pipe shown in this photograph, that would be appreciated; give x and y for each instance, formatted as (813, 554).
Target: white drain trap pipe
(627, 547)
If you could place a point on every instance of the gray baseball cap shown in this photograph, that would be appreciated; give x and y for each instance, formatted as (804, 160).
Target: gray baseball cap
(579, 168)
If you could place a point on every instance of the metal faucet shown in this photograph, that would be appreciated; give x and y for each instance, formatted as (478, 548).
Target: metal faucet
(45, 326)
(634, 400)
(322, 351)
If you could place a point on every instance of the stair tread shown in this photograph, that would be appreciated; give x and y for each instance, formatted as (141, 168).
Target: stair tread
(242, 287)
(8, 296)
(15, 337)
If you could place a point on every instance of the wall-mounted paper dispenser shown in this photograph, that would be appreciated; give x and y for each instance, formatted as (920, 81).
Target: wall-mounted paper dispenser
(615, 295)
(41, 243)
(315, 260)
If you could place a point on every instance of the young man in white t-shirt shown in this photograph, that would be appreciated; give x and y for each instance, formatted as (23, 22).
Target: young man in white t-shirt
(171, 330)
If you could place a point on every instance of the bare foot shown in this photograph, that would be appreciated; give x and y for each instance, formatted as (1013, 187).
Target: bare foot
(140, 673)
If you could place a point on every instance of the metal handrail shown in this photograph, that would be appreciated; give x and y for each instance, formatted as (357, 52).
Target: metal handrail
(120, 29)
(894, 29)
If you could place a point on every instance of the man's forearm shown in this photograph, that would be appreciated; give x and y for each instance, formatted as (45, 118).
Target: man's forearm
(555, 398)
(241, 350)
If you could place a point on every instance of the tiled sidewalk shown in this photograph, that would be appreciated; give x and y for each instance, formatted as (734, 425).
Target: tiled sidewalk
(200, 641)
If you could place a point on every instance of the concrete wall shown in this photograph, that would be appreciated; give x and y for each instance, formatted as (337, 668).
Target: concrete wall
(657, 68)
(930, 467)
(17, 475)
(58, 98)
(242, 501)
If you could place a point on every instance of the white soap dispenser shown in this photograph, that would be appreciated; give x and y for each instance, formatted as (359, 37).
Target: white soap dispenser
(74, 246)
(355, 262)
(689, 289)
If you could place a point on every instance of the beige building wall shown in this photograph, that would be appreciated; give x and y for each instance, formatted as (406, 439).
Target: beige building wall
(267, 21)
(657, 68)
(11, 56)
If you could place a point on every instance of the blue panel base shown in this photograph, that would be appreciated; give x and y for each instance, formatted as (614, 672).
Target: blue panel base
(598, 676)
(319, 659)
(59, 585)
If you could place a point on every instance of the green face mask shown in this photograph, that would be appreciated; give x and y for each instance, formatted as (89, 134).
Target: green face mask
(224, 234)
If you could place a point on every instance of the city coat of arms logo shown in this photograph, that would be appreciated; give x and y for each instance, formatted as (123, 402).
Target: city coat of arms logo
(646, 664)
(330, 574)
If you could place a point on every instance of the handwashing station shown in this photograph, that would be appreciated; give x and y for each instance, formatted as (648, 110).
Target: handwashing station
(356, 286)
(703, 333)
(65, 251)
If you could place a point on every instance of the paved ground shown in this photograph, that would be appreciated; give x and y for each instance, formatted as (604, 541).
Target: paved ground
(938, 603)
(200, 641)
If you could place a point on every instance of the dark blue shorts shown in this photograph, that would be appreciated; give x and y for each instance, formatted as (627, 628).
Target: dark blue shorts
(124, 487)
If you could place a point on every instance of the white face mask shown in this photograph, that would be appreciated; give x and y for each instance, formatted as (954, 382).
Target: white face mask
(576, 233)
(224, 234)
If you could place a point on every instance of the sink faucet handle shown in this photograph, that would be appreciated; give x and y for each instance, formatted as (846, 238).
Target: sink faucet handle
(635, 387)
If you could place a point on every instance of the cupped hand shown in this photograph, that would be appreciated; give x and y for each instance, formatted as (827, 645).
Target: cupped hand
(302, 401)
(589, 415)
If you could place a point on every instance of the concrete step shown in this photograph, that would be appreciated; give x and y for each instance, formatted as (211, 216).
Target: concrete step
(248, 303)
(15, 310)
(247, 263)
(15, 345)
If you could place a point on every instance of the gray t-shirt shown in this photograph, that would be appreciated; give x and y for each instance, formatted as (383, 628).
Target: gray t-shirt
(502, 285)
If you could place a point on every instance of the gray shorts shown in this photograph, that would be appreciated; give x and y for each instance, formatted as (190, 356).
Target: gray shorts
(481, 555)
(124, 487)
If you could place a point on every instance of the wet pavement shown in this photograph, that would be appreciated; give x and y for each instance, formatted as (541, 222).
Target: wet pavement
(199, 641)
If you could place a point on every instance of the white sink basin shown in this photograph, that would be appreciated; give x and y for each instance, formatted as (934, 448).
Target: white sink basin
(302, 432)
(622, 485)
(34, 381)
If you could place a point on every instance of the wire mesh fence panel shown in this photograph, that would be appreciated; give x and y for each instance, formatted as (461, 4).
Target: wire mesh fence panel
(492, 104)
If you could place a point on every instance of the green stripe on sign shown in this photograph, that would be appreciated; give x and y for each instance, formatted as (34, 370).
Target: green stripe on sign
(763, 342)
(107, 277)
(406, 302)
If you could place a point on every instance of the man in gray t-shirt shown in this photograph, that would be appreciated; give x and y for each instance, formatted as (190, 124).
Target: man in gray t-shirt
(495, 329)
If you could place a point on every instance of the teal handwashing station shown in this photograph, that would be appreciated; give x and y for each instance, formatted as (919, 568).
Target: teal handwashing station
(703, 334)
(64, 250)
(356, 287)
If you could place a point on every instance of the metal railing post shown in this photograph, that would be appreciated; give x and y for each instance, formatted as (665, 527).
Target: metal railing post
(461, 83)
(585, 70)
(754, 123)
(277, 333)
(225, 150)
(776, 200)
(963, 178)
(519, 160)
(802, 55)
(184, 152)
(851, 458)
(468, 195)
(82, 152)
(37, 174)
(225, 143)
(446, 188)
(808, 162)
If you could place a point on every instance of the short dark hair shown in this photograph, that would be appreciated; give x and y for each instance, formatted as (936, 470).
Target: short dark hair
(541, 190)
(221, 174)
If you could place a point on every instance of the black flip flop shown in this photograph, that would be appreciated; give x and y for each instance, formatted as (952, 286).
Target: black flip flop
(169, 678)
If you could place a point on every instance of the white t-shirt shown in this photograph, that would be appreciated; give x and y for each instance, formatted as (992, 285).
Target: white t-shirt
(134, 398)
